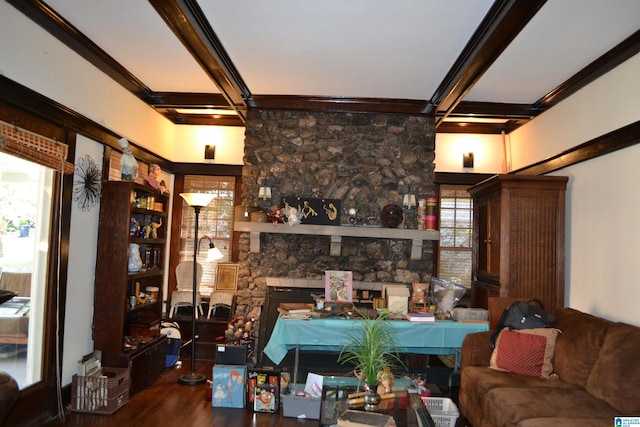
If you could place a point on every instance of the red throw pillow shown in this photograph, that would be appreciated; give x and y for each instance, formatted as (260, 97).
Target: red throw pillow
(526, 352)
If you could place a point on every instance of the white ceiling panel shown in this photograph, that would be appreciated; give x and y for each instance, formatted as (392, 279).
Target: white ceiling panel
(360, 48)
(137, 37)
(557, 43)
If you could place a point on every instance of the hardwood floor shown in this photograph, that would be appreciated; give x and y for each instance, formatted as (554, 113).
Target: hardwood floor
(167, 403)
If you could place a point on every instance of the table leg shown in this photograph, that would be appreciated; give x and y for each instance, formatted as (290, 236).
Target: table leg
(295, 365)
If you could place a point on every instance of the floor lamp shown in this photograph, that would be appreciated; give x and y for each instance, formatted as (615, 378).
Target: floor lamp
(197, 201)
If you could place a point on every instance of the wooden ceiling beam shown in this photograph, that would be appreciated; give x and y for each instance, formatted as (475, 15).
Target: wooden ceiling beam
(501, 25)
(188, 23)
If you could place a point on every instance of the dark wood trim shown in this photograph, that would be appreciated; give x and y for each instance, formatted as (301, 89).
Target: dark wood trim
(207, 169)
(480, 128)
(186, 100)
(618, 139)
(605, 63)
(501, 25)
(188, 23)
(455, 178)
(494, 110)
(200, 119)
(344, 104)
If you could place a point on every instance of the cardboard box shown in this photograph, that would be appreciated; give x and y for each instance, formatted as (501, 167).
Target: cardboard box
(261, 376)
(294, 406)
(398, 299)
(228, 383)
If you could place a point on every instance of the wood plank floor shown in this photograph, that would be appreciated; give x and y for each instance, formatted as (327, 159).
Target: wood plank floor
(167, 403)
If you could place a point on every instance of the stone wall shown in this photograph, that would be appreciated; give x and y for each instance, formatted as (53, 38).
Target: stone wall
(365, 160)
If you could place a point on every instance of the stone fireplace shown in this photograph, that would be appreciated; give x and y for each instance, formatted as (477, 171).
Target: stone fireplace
(365, 160)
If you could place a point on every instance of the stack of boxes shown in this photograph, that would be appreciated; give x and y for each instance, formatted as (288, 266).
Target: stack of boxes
(234, 385)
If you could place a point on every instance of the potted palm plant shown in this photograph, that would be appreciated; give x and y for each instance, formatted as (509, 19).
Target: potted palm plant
(372, 349)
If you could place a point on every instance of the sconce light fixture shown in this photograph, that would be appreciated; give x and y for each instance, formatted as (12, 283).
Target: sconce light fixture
(467, 160)
(264, 193)
(213, 254)
(209, 152)
(409, 199)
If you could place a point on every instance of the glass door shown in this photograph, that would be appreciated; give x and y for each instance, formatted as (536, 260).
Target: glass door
(25, 217)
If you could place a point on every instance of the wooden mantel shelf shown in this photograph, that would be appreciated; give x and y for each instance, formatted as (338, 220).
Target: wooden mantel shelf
(336, 233)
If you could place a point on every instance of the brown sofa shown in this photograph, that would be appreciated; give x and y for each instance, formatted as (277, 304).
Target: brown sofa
(597, 363)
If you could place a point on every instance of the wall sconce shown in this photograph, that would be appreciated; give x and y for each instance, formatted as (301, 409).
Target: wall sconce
(209, 152)
(467, 160)
(213, 254)
(409, 199)
(264, 193)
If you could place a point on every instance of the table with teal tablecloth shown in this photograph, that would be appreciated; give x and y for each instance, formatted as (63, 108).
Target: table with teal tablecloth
(330, 334)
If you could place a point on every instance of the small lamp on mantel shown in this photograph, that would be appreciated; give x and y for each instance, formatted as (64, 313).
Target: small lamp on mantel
(197, 201)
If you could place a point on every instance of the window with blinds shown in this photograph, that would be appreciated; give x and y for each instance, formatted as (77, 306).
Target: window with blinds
(216, 223)
(456, 230)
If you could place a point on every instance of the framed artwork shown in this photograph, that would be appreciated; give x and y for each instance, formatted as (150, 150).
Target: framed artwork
(338, 285)
(227, 277)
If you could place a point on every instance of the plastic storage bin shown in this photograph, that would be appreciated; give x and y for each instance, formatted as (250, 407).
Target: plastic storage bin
(443, 411)
(101, 395)
(299, 406)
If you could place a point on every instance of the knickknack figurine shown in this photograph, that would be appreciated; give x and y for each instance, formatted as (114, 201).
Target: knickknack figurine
(152, 179)
(128, 163)
(151, 230)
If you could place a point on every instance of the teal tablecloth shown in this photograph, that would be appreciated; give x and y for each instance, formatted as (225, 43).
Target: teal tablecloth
(441, 337)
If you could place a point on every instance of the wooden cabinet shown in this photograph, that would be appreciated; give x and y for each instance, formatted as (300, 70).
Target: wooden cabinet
(120, 331)
(518, 243)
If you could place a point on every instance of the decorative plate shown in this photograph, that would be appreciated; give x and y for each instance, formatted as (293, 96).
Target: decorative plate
(391, 216)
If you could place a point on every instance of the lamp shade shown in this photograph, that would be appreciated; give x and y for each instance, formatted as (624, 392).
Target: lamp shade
(214, 254)
(197, 199)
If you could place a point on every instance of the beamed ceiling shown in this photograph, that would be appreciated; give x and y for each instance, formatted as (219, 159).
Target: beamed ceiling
(477, 66)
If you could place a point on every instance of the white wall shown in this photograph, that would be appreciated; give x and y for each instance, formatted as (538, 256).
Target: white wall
(83, 241)
(33, 58)
(191, 140)
(602, 210)
(487, 151)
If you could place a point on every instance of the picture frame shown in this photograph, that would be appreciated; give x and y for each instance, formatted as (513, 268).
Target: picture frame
(338, 286)
(226, 277)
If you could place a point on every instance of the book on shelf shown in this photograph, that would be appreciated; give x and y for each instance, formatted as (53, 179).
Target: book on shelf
(421, 317)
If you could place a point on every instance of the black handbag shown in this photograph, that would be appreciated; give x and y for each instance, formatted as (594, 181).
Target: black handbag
(523, 315)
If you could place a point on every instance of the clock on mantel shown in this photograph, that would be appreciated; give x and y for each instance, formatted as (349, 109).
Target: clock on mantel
(336, 233)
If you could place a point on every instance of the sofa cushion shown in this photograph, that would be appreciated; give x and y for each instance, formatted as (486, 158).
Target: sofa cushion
(526, 352)
(615, 377)
(578, 346)
(510, 406)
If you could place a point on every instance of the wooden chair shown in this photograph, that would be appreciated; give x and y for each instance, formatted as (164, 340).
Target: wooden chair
(183, 295)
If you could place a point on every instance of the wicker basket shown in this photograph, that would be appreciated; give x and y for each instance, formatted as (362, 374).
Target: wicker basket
(443, 410)
(101, 394)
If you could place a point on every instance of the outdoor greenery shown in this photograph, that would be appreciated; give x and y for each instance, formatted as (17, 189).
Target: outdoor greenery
(372, 347)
